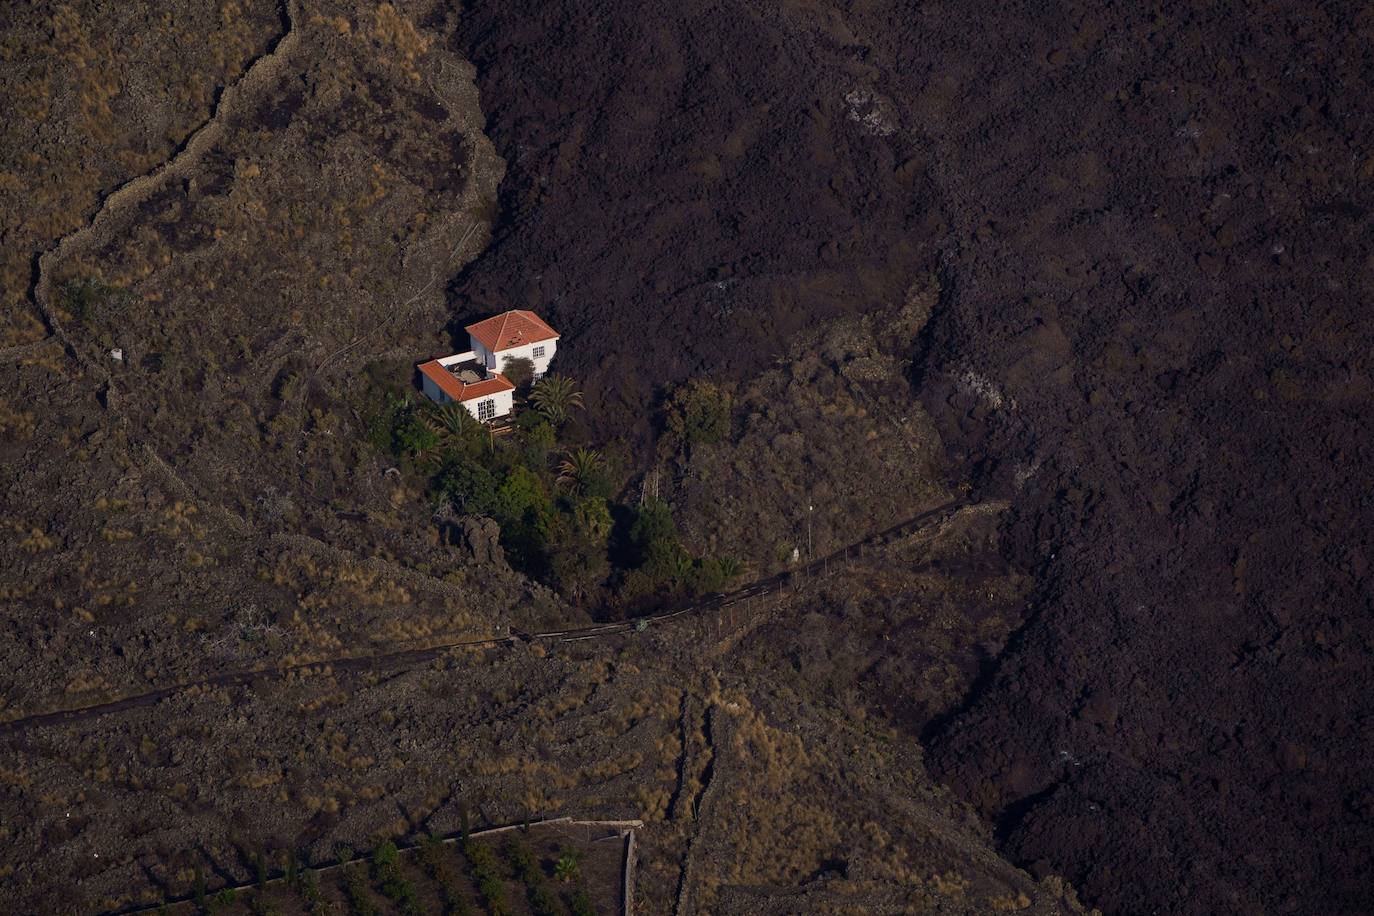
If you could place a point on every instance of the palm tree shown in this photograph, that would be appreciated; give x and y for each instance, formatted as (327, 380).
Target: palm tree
(729, 569)
(566, 868)
(577, 470)
(451, 423)
(554, 396)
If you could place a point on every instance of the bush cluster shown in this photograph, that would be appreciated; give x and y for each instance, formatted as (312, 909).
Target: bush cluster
(386, 869)
(487, 874)
(580, 903)
(92, 299)
(568, 869)
(697, 413)
(308, 886)
(553, 497)
(543, 902)
(433, 859)
(358, 892)
(658, 563)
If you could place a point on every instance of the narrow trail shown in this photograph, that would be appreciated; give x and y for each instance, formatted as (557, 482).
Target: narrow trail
(409, 659)
(711, 728)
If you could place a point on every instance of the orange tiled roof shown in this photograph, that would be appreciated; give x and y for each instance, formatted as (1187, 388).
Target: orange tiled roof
(511, 329)
(459, 390)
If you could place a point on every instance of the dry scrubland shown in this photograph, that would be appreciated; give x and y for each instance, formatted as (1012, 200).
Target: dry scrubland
(755, 784)
(97, 95)
(222, 445)
(830, 427)
(208, 504)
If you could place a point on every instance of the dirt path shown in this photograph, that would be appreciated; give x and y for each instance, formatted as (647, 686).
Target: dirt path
(715, 740)
(408, 659)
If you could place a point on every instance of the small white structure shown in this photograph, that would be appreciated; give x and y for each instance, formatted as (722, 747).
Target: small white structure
(473, 378)
(517, 334)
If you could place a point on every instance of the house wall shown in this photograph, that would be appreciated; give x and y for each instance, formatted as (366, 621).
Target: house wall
(458, 358)
(505, 404)
(494, 360)
(432, 391)
(482, 352)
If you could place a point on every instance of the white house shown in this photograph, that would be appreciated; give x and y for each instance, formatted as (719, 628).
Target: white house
(463, 378)
(473, 378)
(517, 334)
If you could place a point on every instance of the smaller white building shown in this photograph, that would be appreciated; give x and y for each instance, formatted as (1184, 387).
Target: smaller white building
(517, 334)
(464, 378)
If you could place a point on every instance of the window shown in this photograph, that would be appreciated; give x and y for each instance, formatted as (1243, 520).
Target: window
(538, 353)
(486, 410)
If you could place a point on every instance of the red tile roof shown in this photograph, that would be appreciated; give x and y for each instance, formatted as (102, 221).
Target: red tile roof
(511, 329)
(459, 390)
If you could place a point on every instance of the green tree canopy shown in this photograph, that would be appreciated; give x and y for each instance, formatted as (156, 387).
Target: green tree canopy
(583, 472)
(469, 486)
(519, 370)
(653, 538)
(698, 413)
(455, 429)
(555, 396)
(521, 497)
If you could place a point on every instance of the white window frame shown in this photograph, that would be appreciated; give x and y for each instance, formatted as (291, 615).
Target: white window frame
(486, 410)
(538, 353)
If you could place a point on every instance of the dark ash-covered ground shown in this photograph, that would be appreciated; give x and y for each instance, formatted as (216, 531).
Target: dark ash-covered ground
(1154, 232)
(186, 520)
(1107, 265)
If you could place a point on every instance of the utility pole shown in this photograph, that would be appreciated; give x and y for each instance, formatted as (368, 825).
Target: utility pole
(810, 552)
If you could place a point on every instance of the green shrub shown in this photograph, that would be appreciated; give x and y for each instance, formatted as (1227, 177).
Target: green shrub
(567, 868)
(91, 299)
(487, 875)
(432, 857)
(534, 440)
(521, 497)
(714, 574)
(576, 546)
(308, 886)
(480, 858)
(358, 892)
(467, 485)
(494, 894)
(522, 861)
(386, 868)
(580, 903)
(523, 509)
(518, 370)
(543, 902)
(653, 534)
(411, 437)
(392, 424)
(657, 551)
(697, 413)
(386, 857)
